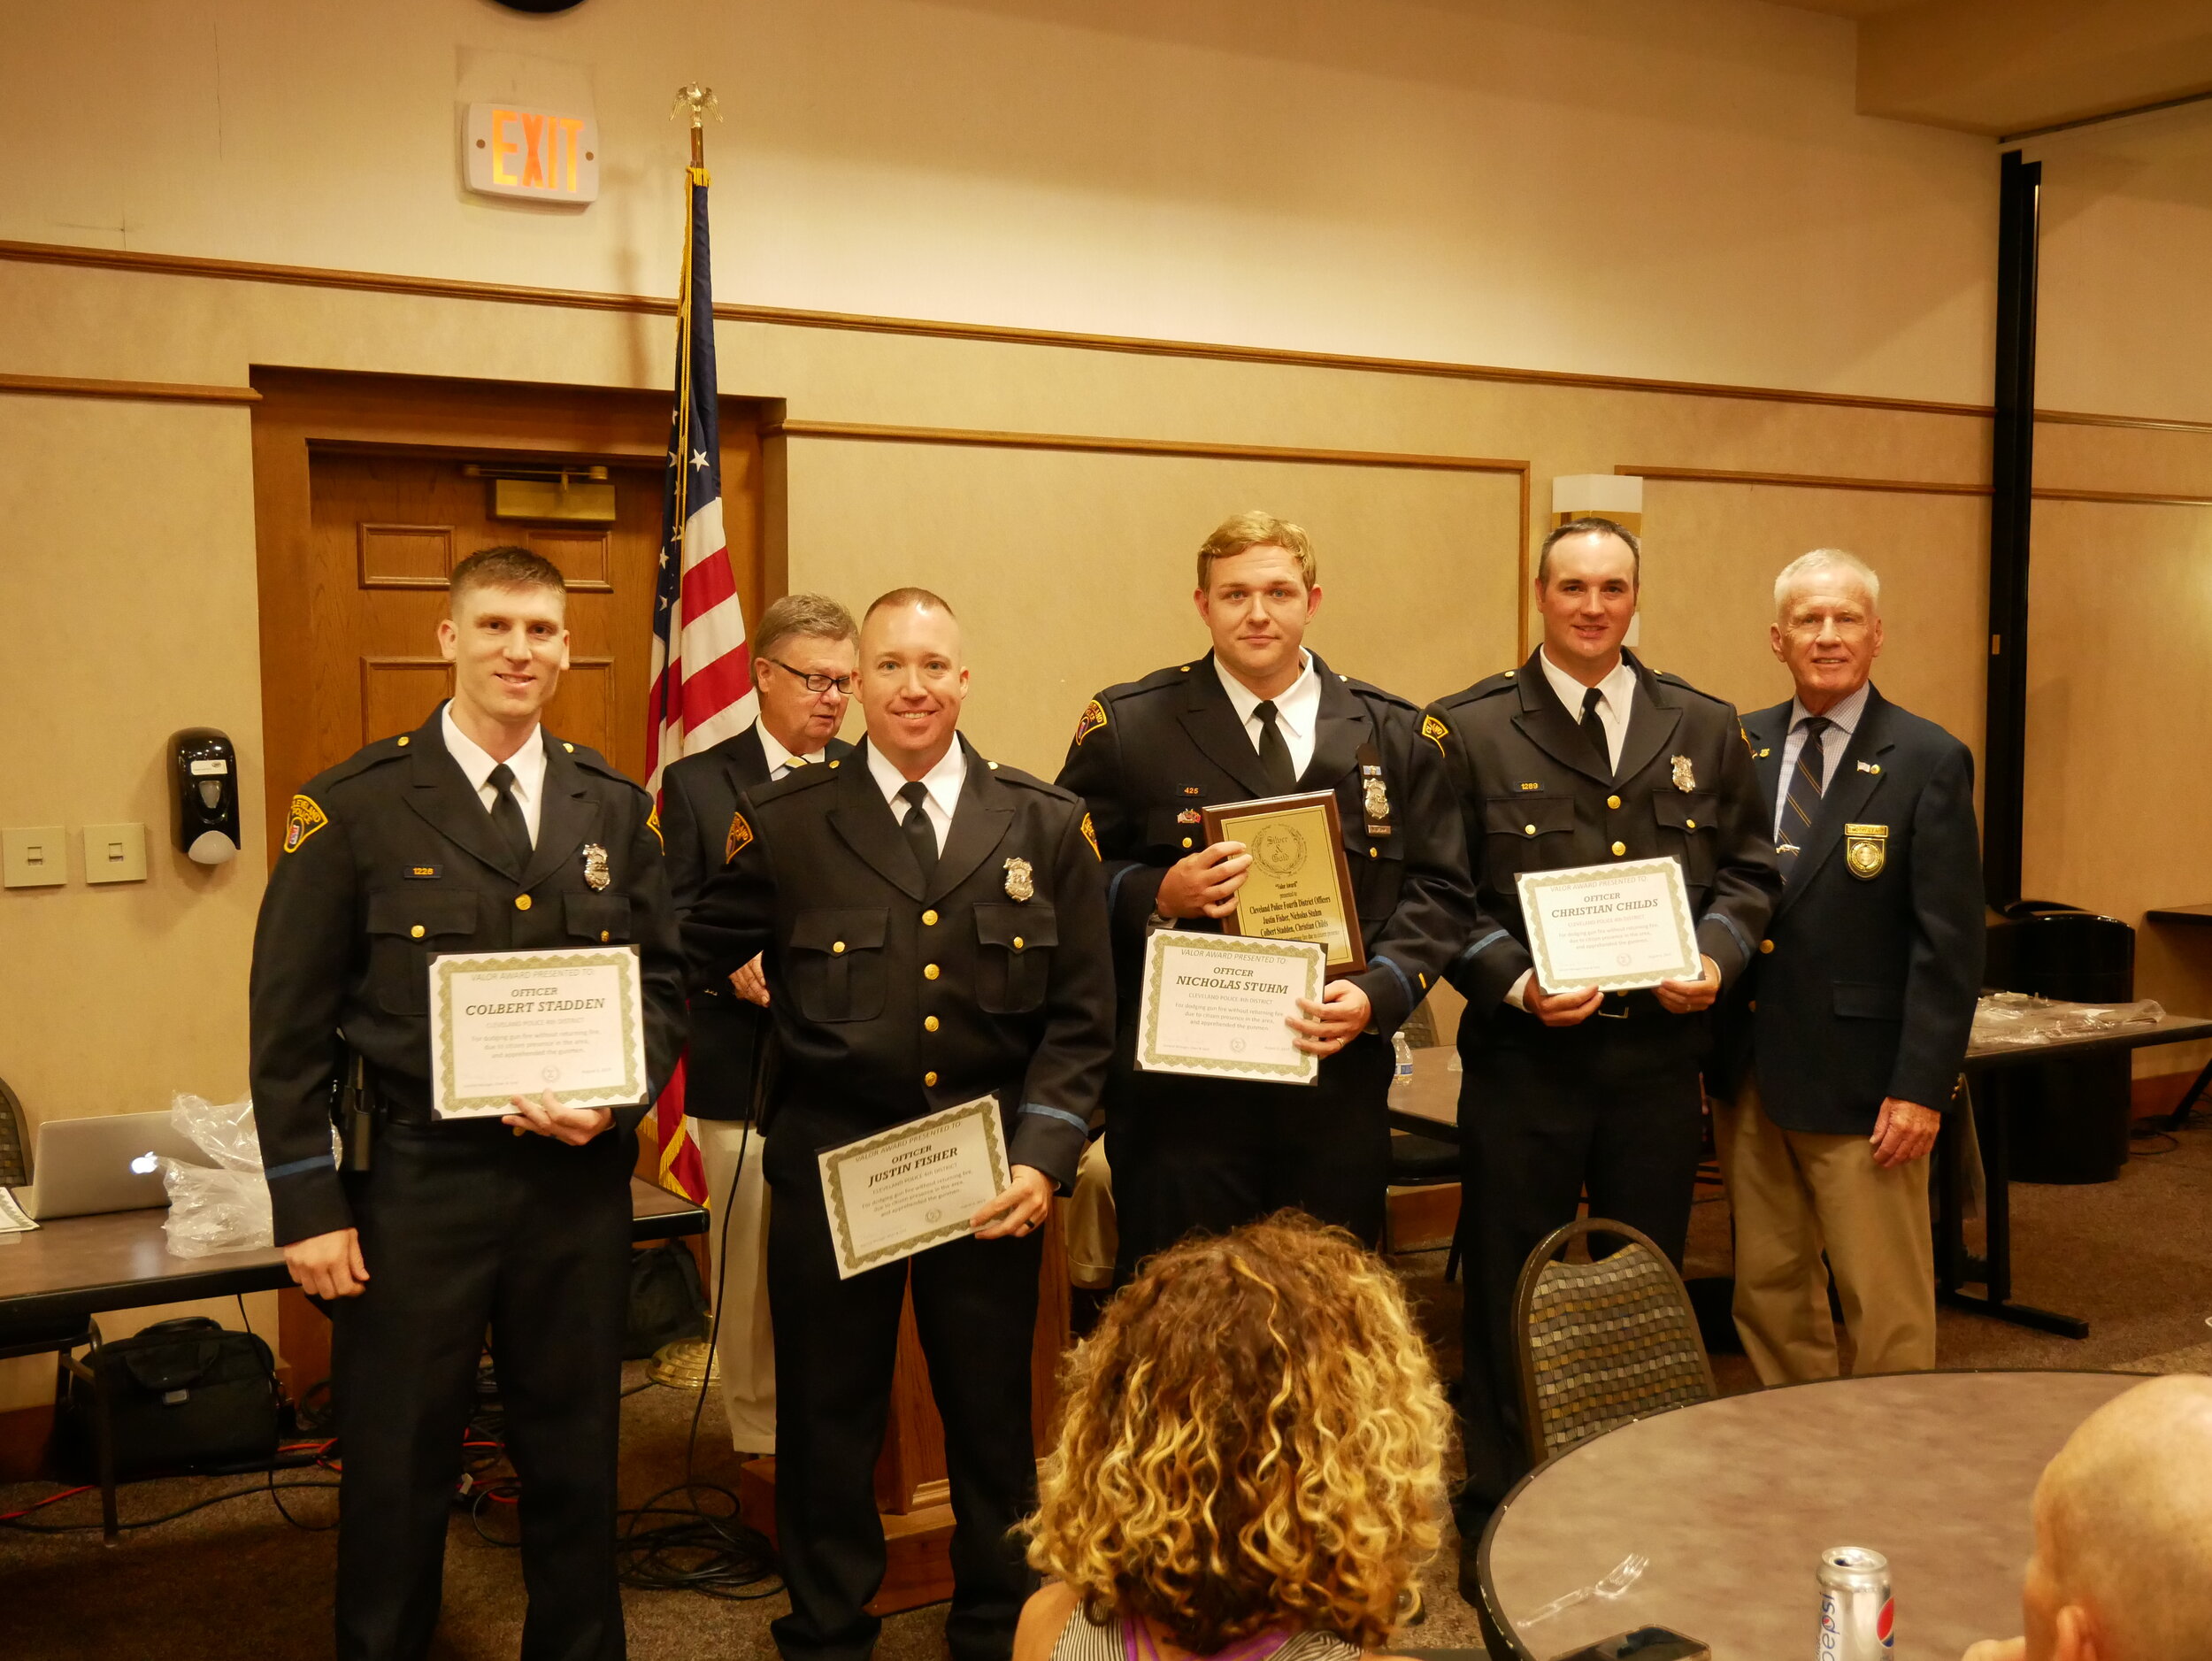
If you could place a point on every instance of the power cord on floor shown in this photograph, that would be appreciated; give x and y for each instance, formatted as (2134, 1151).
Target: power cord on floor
(698, 1550)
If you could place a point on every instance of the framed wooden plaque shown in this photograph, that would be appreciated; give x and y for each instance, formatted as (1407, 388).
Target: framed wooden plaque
(1299, 884)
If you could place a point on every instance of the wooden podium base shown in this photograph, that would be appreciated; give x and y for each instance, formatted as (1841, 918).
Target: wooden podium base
(918, 1544)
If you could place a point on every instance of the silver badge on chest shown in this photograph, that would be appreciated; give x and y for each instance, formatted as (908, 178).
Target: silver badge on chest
(1684, 776)
(595, 871)
(1020, 882)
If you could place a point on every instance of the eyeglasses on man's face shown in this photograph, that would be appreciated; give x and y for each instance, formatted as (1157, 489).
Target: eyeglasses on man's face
(815, 684)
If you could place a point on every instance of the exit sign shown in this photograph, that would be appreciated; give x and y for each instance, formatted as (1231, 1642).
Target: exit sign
(534, 155)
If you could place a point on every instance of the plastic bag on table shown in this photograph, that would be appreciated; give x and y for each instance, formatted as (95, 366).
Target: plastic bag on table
(2021, 1020)
(222, 1208)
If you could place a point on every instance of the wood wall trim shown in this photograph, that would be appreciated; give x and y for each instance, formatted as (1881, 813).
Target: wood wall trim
(984, 439)
(2126, 498)
(141, 391)
(1912, 486)
(515, 294)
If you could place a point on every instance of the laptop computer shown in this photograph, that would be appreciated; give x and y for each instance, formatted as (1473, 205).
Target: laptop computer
(85, 1166)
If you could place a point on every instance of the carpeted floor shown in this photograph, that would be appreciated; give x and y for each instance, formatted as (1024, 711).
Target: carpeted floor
(233, 1580)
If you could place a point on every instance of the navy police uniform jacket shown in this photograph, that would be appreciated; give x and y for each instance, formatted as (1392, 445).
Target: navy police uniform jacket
(894, 997)
(1878, 937)
(1533, 795)
(698, 796)
(390, 857)
(1149, 754)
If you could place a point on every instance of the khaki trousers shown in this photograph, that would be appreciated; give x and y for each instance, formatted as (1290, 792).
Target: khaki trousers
(1795, 1193)
(1093, 1235)
(745, 1347)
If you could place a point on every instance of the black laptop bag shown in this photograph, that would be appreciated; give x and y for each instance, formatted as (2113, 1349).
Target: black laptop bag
(185, 1395)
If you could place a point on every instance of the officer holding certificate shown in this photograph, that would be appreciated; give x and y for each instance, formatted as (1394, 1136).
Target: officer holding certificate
(1260, 716)
(478, 832)
(932, 930)
(1583, 758)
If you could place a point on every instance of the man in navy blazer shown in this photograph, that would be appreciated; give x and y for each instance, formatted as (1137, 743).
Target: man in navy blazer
(1839, 1051)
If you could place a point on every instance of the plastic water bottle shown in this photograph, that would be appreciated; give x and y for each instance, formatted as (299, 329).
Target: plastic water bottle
(1400, 1074)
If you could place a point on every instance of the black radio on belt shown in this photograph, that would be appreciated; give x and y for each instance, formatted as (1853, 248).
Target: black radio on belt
(354, 1114)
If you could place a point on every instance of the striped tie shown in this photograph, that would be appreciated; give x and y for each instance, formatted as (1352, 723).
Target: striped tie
(1803, 800)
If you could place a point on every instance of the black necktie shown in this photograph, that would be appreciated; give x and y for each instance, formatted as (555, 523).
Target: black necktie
(921, 836)
(507, 814)
(1803, 800)
(1594, 730)
(1274, 753)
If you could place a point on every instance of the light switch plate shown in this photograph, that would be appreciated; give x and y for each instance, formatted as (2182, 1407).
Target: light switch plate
(32, 856)
(115, 853)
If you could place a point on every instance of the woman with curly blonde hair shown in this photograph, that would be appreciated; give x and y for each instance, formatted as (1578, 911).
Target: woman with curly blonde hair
(1249, 1459)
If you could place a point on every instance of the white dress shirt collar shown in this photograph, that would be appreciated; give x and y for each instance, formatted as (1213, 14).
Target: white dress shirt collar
(1843, 713)
(779, 759)
(943, 782)
(1616, 696)
(527, 763)
(1297, 710)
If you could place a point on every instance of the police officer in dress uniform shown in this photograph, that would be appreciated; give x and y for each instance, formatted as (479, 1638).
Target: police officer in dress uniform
(932, 928)
(1260, 716)
(1581, 756)
(802, 660)
(478, 832)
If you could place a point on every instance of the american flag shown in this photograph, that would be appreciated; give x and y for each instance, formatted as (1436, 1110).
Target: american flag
(702, 681)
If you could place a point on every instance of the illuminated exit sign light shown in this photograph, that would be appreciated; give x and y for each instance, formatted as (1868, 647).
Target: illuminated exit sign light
(531, 155)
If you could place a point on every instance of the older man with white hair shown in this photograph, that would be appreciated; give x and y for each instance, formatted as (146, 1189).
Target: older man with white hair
(1840, 1049)
(2122, 1564)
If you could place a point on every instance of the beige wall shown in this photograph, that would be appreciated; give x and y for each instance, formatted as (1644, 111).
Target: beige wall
(1410, 206)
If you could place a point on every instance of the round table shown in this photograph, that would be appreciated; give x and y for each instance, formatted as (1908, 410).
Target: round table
(1734, 1500)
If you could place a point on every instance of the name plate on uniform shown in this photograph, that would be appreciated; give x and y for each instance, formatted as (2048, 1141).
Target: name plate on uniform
(912, 1186)
(504, 1024)
(1299, 884)
(1615, 927)
(1215, 1005)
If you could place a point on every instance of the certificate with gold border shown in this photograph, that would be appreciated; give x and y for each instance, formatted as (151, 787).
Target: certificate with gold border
(904, 1190)
(504, 1024)
(1214, 1006)
(1299, 884)
(1616, 927)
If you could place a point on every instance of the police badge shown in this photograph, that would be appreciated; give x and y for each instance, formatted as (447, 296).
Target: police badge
(1685, 776)
(1376, 797)
(596, 866)
(1020, 884)
(1865, 850)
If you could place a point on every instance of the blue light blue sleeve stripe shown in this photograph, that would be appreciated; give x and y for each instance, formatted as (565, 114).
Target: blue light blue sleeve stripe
(1043, 1112)
(1483, 945)
(1412, 997)
(298, 1167)
(1113, 888)
(1729, 923)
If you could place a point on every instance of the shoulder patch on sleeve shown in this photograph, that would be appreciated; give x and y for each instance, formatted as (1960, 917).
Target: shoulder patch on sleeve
(653, 824)
(1435, 732)
(740, 837)
(1090, 836)
(1093, 717)
(302, 821)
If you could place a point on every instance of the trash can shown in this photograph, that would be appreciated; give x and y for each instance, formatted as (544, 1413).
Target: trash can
(2068, 1118)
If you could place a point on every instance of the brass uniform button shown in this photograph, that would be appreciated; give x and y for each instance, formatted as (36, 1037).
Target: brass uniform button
(1766, 945)
(1528, 830)
(929, 1078)
(605, 936)
(1017, 942)
(1619, 849)
(837, 946)
(1374, 853)
(402, 744)
(929, 1024)
(1186, 842)
(929, 920)
(1689, 823)
(416, 931)
(569, 747)
(522, 901)
(929, 972)
(1612, 801)
(1752, 1006)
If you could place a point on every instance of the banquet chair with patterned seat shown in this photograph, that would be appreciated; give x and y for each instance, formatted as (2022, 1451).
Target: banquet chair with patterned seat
(1602, 1344)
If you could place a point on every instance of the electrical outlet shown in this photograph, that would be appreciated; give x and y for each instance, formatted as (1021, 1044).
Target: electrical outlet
(32, 857)
(115, 853)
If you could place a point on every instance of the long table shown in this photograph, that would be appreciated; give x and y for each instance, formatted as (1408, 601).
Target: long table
(81, 1266)
(1428, 1105)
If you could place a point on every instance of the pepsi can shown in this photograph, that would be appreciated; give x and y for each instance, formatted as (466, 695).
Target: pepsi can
(1858, 1618)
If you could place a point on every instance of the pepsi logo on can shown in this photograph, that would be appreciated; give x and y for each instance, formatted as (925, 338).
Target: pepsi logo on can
(1858, 1617)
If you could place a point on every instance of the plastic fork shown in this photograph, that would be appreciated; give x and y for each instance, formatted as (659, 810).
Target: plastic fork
(1617, 1580)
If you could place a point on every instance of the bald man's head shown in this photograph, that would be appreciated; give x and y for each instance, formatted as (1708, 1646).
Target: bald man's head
(2122, 1565)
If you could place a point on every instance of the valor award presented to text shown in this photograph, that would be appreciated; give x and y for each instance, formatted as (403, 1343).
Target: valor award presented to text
(504, 1024)
(1299, 884)
(1615, 927)
(1214, 1006)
